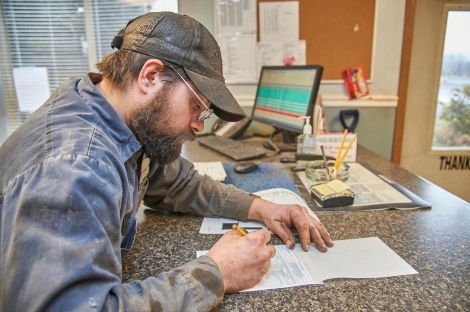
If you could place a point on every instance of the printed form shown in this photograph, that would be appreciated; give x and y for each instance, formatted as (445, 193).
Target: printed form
(352, 258)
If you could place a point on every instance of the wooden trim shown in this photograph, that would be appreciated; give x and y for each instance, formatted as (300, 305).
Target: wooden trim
(410, 11)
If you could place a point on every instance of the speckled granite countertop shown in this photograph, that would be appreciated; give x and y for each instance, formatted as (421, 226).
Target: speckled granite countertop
(435, 242)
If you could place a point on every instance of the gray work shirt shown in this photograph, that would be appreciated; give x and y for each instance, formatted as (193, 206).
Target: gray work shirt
(69, 193)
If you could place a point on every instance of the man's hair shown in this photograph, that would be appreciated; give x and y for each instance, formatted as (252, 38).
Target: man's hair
(123, 66)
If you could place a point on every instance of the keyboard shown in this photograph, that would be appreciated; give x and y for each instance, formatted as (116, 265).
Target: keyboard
(236, 150)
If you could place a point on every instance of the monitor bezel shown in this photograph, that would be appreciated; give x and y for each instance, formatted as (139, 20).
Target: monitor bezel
(315, 90)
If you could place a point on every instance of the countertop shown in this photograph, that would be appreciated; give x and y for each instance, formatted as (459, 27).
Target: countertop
(435, 242)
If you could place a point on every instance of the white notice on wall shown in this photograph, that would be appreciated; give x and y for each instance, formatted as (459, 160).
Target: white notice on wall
(279, 21)
(238, 55)
(235, 17)
(32, 87)
(282, 53)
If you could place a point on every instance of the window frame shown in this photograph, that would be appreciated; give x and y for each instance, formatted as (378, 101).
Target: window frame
(431, 150)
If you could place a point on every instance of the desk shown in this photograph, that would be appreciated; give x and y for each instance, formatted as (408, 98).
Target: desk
(435, 242)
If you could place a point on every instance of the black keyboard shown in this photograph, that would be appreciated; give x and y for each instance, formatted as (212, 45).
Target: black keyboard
(236, 150)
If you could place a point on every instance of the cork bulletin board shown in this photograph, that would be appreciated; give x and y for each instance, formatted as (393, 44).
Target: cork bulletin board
(339, 33)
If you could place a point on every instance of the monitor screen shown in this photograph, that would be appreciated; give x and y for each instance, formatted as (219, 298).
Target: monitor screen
(285, 94)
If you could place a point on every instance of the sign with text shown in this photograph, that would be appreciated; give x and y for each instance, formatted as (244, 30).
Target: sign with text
(331, 143)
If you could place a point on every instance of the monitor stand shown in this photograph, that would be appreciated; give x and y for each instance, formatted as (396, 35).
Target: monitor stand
(288, 143)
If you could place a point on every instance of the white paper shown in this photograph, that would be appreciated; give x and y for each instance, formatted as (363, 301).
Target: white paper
(239, 57)
(32, 87)
(222, 225)
(235, 16)
(286, 271)
(275, 195)
(213, 169)
(279, 21)
(282, 53)
(352, 258)
(331, 142)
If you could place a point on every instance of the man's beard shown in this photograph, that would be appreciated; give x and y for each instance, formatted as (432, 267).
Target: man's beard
(151, 125)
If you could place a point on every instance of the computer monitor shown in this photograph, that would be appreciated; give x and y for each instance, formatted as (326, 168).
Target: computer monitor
(285, 95)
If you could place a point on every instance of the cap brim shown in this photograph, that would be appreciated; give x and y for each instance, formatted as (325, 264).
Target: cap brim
(224, 104)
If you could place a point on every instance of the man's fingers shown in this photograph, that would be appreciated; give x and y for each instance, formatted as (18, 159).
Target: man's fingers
(284, 233)
(325, 235)
(316, 239)
(262, 235)
(319, 236)
(265, 237)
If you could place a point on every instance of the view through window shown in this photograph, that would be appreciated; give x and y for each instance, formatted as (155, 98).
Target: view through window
(43, 43)
(452, 123)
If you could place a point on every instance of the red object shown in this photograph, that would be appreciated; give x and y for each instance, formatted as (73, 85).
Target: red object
(355, 82)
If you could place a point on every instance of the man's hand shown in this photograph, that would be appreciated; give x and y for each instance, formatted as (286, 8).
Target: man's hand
(243, 260)
(280, 219)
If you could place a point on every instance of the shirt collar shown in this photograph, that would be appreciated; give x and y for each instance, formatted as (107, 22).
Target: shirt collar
(111, 122)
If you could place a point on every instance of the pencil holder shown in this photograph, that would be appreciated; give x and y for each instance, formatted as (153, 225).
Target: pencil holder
(316, 172)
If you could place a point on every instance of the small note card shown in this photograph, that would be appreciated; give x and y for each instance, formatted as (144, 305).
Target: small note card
(214, 169)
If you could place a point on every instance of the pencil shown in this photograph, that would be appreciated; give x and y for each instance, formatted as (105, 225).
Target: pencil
(325, 163)
(347, 150)
(338, 155)
(240, 230)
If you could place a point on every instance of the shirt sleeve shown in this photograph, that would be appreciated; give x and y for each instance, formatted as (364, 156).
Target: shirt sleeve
(60, 247)
(178, 187)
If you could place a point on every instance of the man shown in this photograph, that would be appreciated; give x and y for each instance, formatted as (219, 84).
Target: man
(74, 174)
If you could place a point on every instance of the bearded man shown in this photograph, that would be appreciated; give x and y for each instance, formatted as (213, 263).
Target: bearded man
(75, 173)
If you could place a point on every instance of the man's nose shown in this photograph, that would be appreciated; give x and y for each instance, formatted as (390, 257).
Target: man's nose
(197, 125)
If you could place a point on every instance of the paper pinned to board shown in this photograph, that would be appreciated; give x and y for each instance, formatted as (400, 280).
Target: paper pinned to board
(32, 87)
(279, 21)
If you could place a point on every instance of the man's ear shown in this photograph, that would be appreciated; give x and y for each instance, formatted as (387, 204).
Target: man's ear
(149, 75)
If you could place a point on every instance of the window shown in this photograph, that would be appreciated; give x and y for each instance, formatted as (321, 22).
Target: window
(452, 120)
(57, 40)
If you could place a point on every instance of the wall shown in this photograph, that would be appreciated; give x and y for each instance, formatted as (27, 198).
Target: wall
(387, 46)
(375, 127)
(384, 79)
(422, 87)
